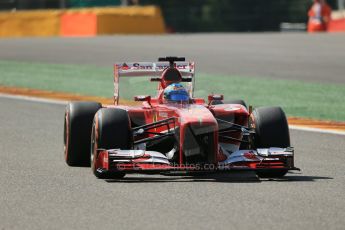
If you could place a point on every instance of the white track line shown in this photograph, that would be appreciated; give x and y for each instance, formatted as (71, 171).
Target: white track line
(61, 102)
(316, 130)
(34, 99)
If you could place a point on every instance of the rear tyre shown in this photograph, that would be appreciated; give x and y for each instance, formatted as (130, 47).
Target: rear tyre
(110, 130)
(238, 101)
(77, 132)
(271, 130)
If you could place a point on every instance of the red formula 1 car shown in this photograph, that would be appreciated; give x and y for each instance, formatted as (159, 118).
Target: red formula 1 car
(175, 132)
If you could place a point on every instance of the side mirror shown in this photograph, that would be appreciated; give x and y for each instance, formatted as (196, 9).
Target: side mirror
(146, 98)
(215, 97)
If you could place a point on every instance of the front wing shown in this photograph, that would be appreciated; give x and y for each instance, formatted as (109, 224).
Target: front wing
(151, 162)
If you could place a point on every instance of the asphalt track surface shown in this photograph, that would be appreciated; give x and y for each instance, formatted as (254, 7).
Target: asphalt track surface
(39, 191)
(298, 56)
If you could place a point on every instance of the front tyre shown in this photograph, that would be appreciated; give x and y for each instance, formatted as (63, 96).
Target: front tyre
(77, 132)
(271, 130)
(110, 130)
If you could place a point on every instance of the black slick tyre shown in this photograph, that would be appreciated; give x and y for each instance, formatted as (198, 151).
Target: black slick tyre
(77, 132)
(271, 130)
(110, 130)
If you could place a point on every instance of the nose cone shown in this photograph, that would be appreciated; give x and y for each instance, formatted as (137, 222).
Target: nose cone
(196, 114)
(198, 135)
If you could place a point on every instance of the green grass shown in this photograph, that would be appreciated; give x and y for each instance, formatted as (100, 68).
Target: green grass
(314, 100)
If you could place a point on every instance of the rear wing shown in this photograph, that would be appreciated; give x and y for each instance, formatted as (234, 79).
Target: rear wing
(147, 69)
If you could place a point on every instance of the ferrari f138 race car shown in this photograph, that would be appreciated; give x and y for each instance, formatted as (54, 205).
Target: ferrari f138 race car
(175, 132)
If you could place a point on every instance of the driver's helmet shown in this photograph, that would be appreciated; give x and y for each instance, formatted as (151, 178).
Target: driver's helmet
(175, 92)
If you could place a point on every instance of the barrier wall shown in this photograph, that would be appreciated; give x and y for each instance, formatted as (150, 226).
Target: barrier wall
(337, 24)
(30, 23)
(82, 22)
(78, 24)
(122, 20)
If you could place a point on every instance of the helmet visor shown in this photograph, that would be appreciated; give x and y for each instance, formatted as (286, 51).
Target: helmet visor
(179, 96)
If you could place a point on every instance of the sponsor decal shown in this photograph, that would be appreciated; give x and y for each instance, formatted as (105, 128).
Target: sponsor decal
(153, 66)
(138, 66)
(181, 66)
(124, 66)
(162, 66)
